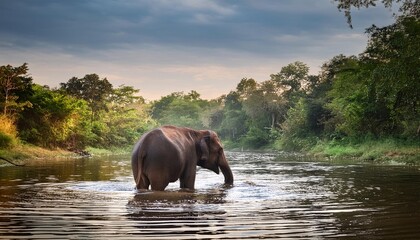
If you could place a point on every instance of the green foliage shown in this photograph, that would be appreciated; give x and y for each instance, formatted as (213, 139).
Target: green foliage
(246, 86)
(406, 7)
(370, 149)
(7, 125)
(6, 141)
(8, 132)
(14, 83)
(292, 79)
(232, 120)
(121, 127)
(295, 129)
(378, 93)
(181, 110)
(256, 138)
(393, 55)
(234, 124)
(84, 112)
(95, 91)
(53, 120)
(349, 99)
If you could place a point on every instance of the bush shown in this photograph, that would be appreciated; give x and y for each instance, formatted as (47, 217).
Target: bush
(7, 125)
(7, 132)
(296, 134)
(6, 141)
(255, 138)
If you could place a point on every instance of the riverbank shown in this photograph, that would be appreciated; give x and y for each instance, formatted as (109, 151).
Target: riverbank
(386, 151)
(21, 154)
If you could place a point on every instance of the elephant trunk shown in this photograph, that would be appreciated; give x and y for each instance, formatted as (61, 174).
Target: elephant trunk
(224, 166)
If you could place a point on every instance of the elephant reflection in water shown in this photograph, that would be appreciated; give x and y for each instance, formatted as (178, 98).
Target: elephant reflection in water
(169, 153)
(179, 212)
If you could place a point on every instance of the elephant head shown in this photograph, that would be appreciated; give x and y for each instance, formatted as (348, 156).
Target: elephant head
(212, 156)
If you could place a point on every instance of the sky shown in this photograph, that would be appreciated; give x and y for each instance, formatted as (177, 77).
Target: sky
(165, 46)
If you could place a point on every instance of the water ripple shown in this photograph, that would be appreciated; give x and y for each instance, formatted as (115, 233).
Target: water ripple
(271, 198)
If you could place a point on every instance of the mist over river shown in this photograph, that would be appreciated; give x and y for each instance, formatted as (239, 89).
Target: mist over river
(272, 197)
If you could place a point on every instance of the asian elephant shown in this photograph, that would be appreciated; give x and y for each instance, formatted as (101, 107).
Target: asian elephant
(169, 153)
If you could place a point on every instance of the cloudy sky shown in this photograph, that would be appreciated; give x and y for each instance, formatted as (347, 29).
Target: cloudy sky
(164, 46)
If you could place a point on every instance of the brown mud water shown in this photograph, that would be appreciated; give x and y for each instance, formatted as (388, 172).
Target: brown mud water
(272, 198)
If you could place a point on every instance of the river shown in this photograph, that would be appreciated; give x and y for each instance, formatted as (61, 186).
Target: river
(272, 197)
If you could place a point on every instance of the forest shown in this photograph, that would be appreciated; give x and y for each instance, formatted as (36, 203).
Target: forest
(369, 98)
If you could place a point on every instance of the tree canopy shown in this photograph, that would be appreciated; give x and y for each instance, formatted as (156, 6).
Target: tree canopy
(14, 82)
(409, 8)
(92, 89)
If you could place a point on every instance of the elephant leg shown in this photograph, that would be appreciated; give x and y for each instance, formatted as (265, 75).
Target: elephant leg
(143, 183)
(187, 181)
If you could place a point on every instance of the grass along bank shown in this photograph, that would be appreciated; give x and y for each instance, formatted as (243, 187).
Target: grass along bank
(22, 154)
(384, 151)
(387, 151)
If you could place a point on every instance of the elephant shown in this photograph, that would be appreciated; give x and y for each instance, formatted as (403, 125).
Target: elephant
(169, 153)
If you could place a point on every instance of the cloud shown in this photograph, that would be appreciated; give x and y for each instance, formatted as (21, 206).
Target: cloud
(162, 46)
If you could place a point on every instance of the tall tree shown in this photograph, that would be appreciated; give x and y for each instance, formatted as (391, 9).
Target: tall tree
(181, 109)
(123, 96)
(233, 124)
(393, 56)
(292, 80)
(13, 80)
(161, 105)
(92, 89)
(246, 86)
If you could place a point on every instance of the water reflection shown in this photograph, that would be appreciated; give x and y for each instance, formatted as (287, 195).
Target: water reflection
(271, 198)
(177, 212)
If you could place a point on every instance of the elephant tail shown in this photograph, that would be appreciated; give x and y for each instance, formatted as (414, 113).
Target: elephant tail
(137, 160)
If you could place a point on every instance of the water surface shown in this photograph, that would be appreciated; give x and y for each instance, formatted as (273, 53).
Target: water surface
(273, 197)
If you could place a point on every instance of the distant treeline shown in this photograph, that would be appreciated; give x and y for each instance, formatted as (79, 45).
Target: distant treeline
(373, 95)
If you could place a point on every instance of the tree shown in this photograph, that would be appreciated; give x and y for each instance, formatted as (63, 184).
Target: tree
(55, 120)
(122, 126)
(292, 79)
(296, 132)
(393, 57)
(349, 100)
(92, 89)
(233, 122)
(159, 106)
(123, 96)
(407, 7)
(320, 118)
(265, 105)
(192, 96)
(246, 86)
(181, 109)
(182, 112)
(13, 80)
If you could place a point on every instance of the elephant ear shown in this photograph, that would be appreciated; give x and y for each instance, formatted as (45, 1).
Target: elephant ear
(204, 148)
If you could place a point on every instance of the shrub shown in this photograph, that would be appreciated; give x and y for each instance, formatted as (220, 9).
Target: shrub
(6, 141)
(7, 132)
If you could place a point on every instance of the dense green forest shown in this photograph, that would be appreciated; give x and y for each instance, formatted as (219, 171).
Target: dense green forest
(374, 96)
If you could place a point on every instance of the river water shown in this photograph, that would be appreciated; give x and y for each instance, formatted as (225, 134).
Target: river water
(273, 197)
